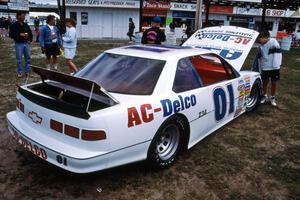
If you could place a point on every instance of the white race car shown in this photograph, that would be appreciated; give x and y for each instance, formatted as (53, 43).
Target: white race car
(137, 102)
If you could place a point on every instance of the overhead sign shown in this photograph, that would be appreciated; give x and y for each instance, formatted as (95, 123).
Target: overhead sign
(221, 9)
(156, 5)
(107, 4)
(252, 1)
(18, 5)
(230, 42)
(258, 12)
(183, 6)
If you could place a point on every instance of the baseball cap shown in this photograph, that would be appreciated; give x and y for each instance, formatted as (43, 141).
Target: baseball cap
(157, 19)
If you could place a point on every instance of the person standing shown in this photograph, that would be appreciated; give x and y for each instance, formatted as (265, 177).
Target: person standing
(172, 26)
(70, 44)
(297, 38)
(37, 29)
(154, 35)
(50, 42)
(131, 28)
(21, 34)
(269, 63)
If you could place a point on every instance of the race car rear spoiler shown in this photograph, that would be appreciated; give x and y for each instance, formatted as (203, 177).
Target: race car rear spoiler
(230, 42)
(82, 86)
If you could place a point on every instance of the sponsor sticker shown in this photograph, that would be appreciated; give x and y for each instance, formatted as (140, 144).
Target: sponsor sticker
(146, 113)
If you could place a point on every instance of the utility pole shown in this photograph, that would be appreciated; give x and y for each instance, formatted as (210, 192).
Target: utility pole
(263, 17)
(198, 20)
(62, 13)
(207, 3)
(141, 15)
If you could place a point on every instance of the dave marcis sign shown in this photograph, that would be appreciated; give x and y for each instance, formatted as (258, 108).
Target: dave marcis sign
(99, 3)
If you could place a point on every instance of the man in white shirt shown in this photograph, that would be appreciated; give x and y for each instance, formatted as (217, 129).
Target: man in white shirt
(269, 63)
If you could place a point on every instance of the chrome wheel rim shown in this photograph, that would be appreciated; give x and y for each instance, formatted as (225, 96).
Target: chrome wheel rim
(253, 97)
(168, 142)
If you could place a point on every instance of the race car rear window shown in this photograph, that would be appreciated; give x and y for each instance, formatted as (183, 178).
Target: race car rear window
(124, 74)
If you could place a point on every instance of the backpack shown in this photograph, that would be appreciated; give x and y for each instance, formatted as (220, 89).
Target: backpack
(151, 36)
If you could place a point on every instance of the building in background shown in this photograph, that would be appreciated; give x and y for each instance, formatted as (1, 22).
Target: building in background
(103, 19)
(109, 18)
(9, 8)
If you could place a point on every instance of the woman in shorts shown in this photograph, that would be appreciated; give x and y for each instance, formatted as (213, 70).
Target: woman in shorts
(70, 44)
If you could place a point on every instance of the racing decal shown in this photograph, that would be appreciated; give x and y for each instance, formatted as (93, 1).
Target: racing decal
(35, 117)
(220, 102)
(61, 160)
(247, 85)
(145, 113)
(176, 106)
(202, 113)
(33, 148)
(241, 98)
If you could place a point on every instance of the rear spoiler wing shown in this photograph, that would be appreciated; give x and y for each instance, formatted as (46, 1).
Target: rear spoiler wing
(80, 85)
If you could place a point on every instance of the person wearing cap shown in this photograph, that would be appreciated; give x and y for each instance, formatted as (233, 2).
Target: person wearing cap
(154, 35)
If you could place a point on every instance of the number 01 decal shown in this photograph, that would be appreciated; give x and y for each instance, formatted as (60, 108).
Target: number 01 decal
(220, 102)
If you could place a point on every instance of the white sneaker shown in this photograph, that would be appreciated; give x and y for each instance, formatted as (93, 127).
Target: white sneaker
(264, 99)
(273, 101)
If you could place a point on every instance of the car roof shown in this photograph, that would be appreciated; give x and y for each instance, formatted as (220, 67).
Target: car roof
(159, 52)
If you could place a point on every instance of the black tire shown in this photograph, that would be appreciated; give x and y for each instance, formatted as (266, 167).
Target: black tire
(161, 154)
(254, 97)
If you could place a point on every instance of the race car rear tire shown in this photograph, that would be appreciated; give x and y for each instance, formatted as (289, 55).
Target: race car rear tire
(253, 100)
(166, 143)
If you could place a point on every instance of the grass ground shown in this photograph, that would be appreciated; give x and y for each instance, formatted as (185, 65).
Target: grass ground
(257, 156)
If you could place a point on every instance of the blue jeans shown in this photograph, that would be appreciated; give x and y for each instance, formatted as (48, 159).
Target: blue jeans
(22, 49)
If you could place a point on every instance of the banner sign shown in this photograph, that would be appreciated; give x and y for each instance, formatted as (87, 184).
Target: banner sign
(221, 9)
(230, 42)
(156, 5)
(106, 4)
(258, 12)
(18, 5)
(251, 1)
(183, 6)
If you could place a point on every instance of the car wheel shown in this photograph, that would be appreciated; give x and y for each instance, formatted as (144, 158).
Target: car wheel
(167, 143)
(253, 99)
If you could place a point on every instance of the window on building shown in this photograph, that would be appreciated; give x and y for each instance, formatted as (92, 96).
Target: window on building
(84, 18)
(73, 15)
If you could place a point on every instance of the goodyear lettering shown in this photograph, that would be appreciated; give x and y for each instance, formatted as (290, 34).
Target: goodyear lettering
(176, 106)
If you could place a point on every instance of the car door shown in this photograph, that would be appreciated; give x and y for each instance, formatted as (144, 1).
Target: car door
(187, 83)
(218, 96)
(224, 86)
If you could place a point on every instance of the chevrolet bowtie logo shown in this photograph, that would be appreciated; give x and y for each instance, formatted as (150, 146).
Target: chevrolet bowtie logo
(35, 118)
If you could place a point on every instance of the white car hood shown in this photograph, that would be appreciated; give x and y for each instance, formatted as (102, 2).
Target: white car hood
(230, 42)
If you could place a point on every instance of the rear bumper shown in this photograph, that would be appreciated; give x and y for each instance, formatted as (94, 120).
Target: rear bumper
(60, 159)
(79, 161)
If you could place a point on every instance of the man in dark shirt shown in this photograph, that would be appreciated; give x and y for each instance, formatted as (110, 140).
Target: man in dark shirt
(131, 28)
(154, 35)
(20, 32)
